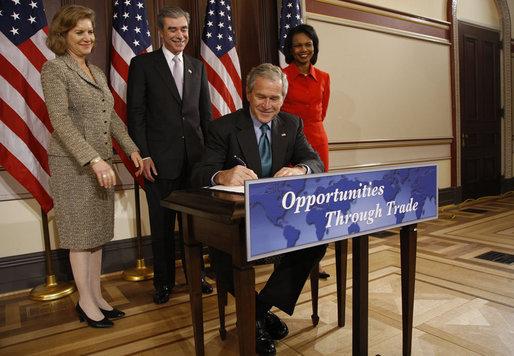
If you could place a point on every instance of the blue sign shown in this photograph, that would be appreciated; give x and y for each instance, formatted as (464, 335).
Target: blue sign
(291, 213)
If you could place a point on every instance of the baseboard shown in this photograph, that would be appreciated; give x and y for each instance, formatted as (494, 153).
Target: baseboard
(507, 185)
(451, 195)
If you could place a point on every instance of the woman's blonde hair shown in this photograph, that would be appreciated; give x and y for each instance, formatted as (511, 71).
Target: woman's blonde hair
(63, 21)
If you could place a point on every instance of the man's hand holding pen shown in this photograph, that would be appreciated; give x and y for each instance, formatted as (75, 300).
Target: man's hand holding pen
(234, 176)
(237, 175)
(239, 161)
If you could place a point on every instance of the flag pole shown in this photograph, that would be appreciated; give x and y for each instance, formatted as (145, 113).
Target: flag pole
(140, 272)
(52, 289)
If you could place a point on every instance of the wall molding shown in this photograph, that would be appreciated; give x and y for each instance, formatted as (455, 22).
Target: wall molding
(376, 28)
(384, 143)
(367, 7)
(389, 164)
(373, 18)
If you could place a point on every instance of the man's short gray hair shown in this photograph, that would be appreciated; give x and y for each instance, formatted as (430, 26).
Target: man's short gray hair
(267, 71)
(174, 12)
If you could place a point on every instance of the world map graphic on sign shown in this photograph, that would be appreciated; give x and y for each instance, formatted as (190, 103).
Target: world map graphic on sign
(285, 214)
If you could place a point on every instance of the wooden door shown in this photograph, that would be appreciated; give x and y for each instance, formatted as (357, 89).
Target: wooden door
(480, 102)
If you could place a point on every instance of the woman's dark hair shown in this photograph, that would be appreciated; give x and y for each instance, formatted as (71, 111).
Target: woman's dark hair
(307, 30)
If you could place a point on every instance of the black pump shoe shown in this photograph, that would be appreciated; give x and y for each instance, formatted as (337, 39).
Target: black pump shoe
(104, 323)
(112, 314)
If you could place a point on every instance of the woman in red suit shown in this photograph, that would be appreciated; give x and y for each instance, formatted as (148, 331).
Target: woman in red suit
(309, 87)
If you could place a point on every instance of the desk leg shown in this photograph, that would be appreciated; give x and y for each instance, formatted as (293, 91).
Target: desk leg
(244, 283)
(193, 252)
(315, 294)
(360, 296)
(341, 260)
(408, 243)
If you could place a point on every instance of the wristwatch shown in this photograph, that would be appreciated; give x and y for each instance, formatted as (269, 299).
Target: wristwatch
(95, 160)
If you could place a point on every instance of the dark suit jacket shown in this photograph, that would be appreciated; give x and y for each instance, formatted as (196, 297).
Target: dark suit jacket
(165, 127)
(234, 135)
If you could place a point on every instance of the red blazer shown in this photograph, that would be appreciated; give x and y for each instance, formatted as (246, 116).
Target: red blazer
(307, 97)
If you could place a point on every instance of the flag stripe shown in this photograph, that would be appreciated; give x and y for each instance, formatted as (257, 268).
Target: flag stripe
(118, 84)
(20, 128)
(220, 85)
(119, 64)
(119, 106)
(235, 77)
(290, 17)
(282, 59)
(39, 39)
(25, 126)
(33, 54)
(228, 85)
(121, 46)
(24, 154)
(19, 172)
(219, 55)
(16, 103)
(130, 36)
(14, 56)
(218, 102)
(235, 61)
(25, 93)
(215, 111)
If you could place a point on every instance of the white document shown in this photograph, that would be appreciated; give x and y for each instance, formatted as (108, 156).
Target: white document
(240, 189)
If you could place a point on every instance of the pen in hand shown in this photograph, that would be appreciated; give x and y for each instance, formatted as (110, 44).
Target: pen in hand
(239, 161)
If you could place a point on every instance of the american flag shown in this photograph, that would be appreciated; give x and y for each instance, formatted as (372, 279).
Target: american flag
(290, 16)
(218, 52)
(24, 123)
(130, 37)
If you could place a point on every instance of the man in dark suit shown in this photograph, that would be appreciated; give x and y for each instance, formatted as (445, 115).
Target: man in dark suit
(168, 111)
(250, 144)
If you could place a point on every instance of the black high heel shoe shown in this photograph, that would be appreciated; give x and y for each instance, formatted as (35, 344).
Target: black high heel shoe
(104, 323)
(112, 314)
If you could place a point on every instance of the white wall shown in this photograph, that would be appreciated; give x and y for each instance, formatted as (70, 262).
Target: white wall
(390, 94)
(384, 86)
(479, 12)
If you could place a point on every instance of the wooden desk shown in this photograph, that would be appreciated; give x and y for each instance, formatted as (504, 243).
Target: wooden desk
(217, 219)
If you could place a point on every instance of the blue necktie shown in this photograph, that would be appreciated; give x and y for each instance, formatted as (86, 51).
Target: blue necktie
(265, 151)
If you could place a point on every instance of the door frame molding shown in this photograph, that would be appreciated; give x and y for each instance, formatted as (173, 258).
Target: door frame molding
(505, 75)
